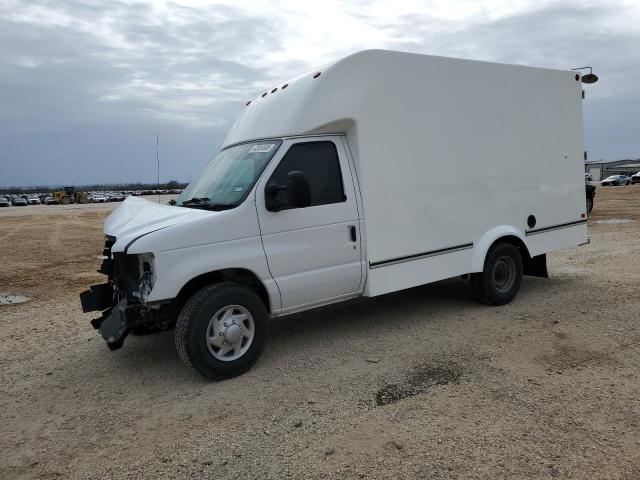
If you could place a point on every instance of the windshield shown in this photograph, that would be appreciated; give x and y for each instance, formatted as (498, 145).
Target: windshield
(230, 176)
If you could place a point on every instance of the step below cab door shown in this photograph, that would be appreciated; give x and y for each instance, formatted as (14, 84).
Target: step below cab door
(313, 252)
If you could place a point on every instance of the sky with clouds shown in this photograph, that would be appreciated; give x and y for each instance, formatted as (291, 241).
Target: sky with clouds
(86, 85)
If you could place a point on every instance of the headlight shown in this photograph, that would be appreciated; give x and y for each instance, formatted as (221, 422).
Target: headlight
(147, 274)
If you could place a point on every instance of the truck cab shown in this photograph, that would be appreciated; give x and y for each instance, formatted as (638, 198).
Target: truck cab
(277, 217)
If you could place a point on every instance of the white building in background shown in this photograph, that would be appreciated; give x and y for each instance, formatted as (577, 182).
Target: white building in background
(600, 169)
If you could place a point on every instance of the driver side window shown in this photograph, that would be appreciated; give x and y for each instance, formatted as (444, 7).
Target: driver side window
(319, 162)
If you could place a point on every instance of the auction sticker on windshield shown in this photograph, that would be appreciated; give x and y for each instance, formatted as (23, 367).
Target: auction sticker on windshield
(262, 148)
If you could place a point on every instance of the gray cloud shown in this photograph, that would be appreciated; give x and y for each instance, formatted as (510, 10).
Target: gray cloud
(85, 85)
(79, 108)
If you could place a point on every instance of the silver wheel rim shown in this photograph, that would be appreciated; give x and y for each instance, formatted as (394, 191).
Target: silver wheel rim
(504, 274)
(230, 333)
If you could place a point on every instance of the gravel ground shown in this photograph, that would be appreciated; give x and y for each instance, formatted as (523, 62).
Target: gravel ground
(424, 383)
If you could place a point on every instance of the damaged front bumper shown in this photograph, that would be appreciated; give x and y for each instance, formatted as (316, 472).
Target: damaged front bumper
(121, 299)
(117, 320)
(116, 299)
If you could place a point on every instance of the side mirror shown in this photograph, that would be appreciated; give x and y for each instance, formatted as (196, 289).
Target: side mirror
(271, 201)
(298, 190)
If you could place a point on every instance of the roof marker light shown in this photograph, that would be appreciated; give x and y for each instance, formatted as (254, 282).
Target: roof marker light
(247, 104)
(317, 75)
(274, 90)
(264, 94)
(284, 86)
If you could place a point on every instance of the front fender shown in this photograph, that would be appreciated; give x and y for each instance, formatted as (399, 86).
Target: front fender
(176, 267)
(485, 242)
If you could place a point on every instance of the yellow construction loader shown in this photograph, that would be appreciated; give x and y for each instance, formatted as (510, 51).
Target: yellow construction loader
(69, 195)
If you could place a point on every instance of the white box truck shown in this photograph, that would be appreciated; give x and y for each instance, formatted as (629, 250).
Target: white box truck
(376, 173)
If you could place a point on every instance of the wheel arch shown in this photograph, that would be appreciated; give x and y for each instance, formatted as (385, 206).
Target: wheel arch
(533, 266)
(504, 233)
(241, 276)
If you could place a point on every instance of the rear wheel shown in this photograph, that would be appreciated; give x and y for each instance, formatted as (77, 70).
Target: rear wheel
(500, 280)
(65, 201)
(221, 330)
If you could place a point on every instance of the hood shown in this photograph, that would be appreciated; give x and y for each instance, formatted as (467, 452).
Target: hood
(136, 217)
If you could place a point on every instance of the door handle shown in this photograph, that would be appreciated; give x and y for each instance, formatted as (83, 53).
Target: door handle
(352, 233)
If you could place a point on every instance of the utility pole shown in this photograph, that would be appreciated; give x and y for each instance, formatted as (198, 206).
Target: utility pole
(158, 163)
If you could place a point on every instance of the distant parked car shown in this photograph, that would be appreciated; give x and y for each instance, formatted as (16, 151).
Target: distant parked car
(635, 178)
(33, 200)
(114, 197)
(19, 202)
(588, 177)
(50, 200)
(98, 198)
(616, 180)
(4, 202)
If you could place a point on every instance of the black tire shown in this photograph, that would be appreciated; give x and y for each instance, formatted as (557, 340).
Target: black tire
(193, 323)
(65, 201)
(500, 280)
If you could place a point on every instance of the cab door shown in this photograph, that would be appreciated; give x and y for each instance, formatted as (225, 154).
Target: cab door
(313, 252)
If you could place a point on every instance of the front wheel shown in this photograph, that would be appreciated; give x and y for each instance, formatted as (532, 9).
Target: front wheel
(221, 330)
(500, 280)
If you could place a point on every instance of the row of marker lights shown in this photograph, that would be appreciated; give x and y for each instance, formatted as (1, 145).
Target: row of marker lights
(588, 78)
(316, 75)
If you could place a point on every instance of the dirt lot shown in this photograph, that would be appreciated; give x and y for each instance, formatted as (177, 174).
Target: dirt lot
(424, 383)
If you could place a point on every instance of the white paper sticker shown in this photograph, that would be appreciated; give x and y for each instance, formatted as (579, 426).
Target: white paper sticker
(261, 148)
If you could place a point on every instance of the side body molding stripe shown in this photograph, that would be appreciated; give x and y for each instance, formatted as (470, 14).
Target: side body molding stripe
(418, 256)
(554, 227)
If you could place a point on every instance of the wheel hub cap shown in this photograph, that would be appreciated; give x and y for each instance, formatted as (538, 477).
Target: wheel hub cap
(504, 274)
(230, 333)
(233, 334)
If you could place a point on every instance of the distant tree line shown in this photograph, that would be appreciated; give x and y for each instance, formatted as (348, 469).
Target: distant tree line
(121, 187)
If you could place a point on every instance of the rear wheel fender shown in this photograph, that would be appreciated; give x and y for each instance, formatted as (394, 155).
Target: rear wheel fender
(482, 246)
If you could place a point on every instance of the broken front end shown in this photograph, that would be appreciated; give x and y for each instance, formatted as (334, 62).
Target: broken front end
(122, 299)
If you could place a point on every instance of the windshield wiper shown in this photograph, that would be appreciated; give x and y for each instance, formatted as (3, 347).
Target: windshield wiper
(196, 200)
(204, 203)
